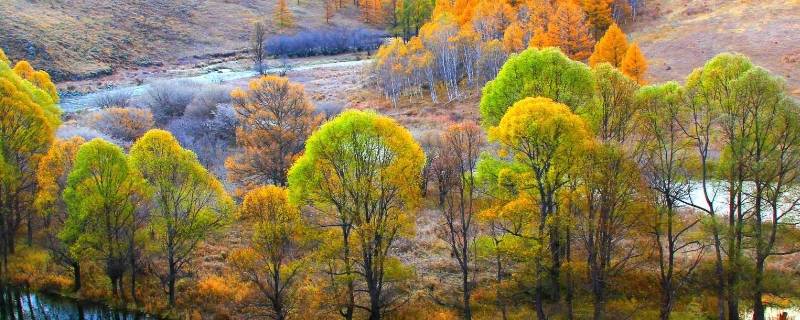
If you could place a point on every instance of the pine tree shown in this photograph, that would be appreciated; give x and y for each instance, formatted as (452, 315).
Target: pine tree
(514, 38)
(611, 48)
(283, 17)
(599, 12)
(634, 64)
(569, 31)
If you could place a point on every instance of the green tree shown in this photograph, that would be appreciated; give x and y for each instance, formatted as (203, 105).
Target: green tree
(536, 73)
(189, 203)
(101, 196)
(363, 172)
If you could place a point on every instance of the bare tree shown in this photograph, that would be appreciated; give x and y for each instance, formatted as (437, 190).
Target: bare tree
(257, 46)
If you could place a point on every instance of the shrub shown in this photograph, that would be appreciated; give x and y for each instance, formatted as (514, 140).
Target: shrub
(126, 124)
(206, 101)
(69, 130)
(327, 41)
(116, 98)
(168, 99)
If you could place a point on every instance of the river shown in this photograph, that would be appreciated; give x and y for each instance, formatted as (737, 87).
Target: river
(16, 304)
(77, 102)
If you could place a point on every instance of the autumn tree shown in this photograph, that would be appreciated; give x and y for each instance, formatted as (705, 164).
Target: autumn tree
(29, 117)
(610, 48)
(514, 38)
(3, 57)
(282, 16)
(666, 157)
(568, 30)
(275, 118)
(544, 73)
(188, 201)
(599, 13)
(542, 139)
(613, 112)
(330, 10)
(101, 197)
(123, 124)
(362, 172)
(634, 63)
(456, 163)
(257, 46)
(51, 177)
(273, 261)
(491, 18)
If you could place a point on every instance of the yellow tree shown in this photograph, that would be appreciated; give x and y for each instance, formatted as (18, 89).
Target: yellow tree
(275, 118)
(514, 38)
(282, 16)
(599, 12)
(611, 48)
(273, 261)
(362, 172)
(634, 64)
(189, 203)
(3, 57)
(491, 18)
(28, 119)
(569, 31)
(54, 167)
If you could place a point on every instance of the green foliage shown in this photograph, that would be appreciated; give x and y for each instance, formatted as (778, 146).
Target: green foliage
(612, 111)
(536, 73)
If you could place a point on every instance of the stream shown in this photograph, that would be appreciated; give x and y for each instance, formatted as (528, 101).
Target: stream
(77, 102)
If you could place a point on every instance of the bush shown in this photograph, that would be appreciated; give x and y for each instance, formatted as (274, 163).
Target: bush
(324, 42)
(205, 102)
(126, 124)
(168, 99)
(69, 130)
(116, 98)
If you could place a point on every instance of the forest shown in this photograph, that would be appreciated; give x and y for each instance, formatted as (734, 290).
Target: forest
(564, 183)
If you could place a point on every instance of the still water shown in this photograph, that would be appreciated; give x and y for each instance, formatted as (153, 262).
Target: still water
(16, 304)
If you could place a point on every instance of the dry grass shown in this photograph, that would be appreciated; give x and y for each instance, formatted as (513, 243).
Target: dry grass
(686, 33)
(90, 37)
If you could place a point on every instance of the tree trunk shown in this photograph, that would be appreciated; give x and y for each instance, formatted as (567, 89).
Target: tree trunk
(465, 286)
(30, 228)
(76, 276)
(758, 304)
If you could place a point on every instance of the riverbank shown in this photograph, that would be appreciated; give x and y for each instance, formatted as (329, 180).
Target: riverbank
(21, 303)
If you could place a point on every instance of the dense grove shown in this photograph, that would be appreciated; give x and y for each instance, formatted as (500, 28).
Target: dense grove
(582, 193)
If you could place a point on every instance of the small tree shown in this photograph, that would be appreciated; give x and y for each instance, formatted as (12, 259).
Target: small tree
(275, 118)
(282, 16)
(634, 64)
(272, 263)
(611, 48)
(257, 46)
(189, 202)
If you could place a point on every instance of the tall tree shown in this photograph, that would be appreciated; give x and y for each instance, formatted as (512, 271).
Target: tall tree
(189, 203)
(275, 118)
(458, 156)
(53, 170)
(362, 171)
(611, 48)
(599, 13)
(272, 263)
(101, 196)
(28, 120)
(634, 63)
(542, 138)
(282, 17)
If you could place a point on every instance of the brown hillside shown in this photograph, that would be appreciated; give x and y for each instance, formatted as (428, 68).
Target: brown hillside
(80, 38)
(686, 33)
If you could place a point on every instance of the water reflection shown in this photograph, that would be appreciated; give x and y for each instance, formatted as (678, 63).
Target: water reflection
(16, 304)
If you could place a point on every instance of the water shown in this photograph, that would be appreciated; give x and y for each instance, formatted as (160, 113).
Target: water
(73, 103)
(19, 304)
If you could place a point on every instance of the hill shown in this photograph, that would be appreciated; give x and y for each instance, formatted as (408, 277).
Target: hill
(681, 35)
(84, 38)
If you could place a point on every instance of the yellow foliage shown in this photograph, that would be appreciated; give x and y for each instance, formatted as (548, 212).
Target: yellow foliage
(4, 58)
(611, 48)
(569, 31)
(634, 64)
(514, 38)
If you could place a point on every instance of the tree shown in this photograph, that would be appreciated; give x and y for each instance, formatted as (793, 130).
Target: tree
(188, 202)
(101, 196)
(457, 160)
(542, 138)
(123, 124)
(611, 48)
(567, 29)
(330, 10)
(492, 18)
(3, 57)
(599, 12)
(51, 177)
(543, 73)
(513, 38)
(275, 118)
(613, 110)
(665, 161)
(282, 16)
(257, 46)
(273, 262)
(362, 172)
(634, 64)
(28, 120)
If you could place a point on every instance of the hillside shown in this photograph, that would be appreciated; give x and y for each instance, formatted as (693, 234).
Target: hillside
(681, 35)
(80, 38)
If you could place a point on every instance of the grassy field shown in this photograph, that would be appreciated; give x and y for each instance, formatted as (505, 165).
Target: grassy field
(82, 38)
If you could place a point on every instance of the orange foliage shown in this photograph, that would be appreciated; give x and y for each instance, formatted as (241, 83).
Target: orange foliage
(611, 48)
(569, 31)
(634, 64)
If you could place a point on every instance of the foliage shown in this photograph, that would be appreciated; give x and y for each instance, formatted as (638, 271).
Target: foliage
(275, 118)
(544, 73)
(282, 17)
(611, 48)
(121, 124)
(634, 64)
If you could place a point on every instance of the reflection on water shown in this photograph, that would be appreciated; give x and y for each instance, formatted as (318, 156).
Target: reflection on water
(18, 304)
(772, 313)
